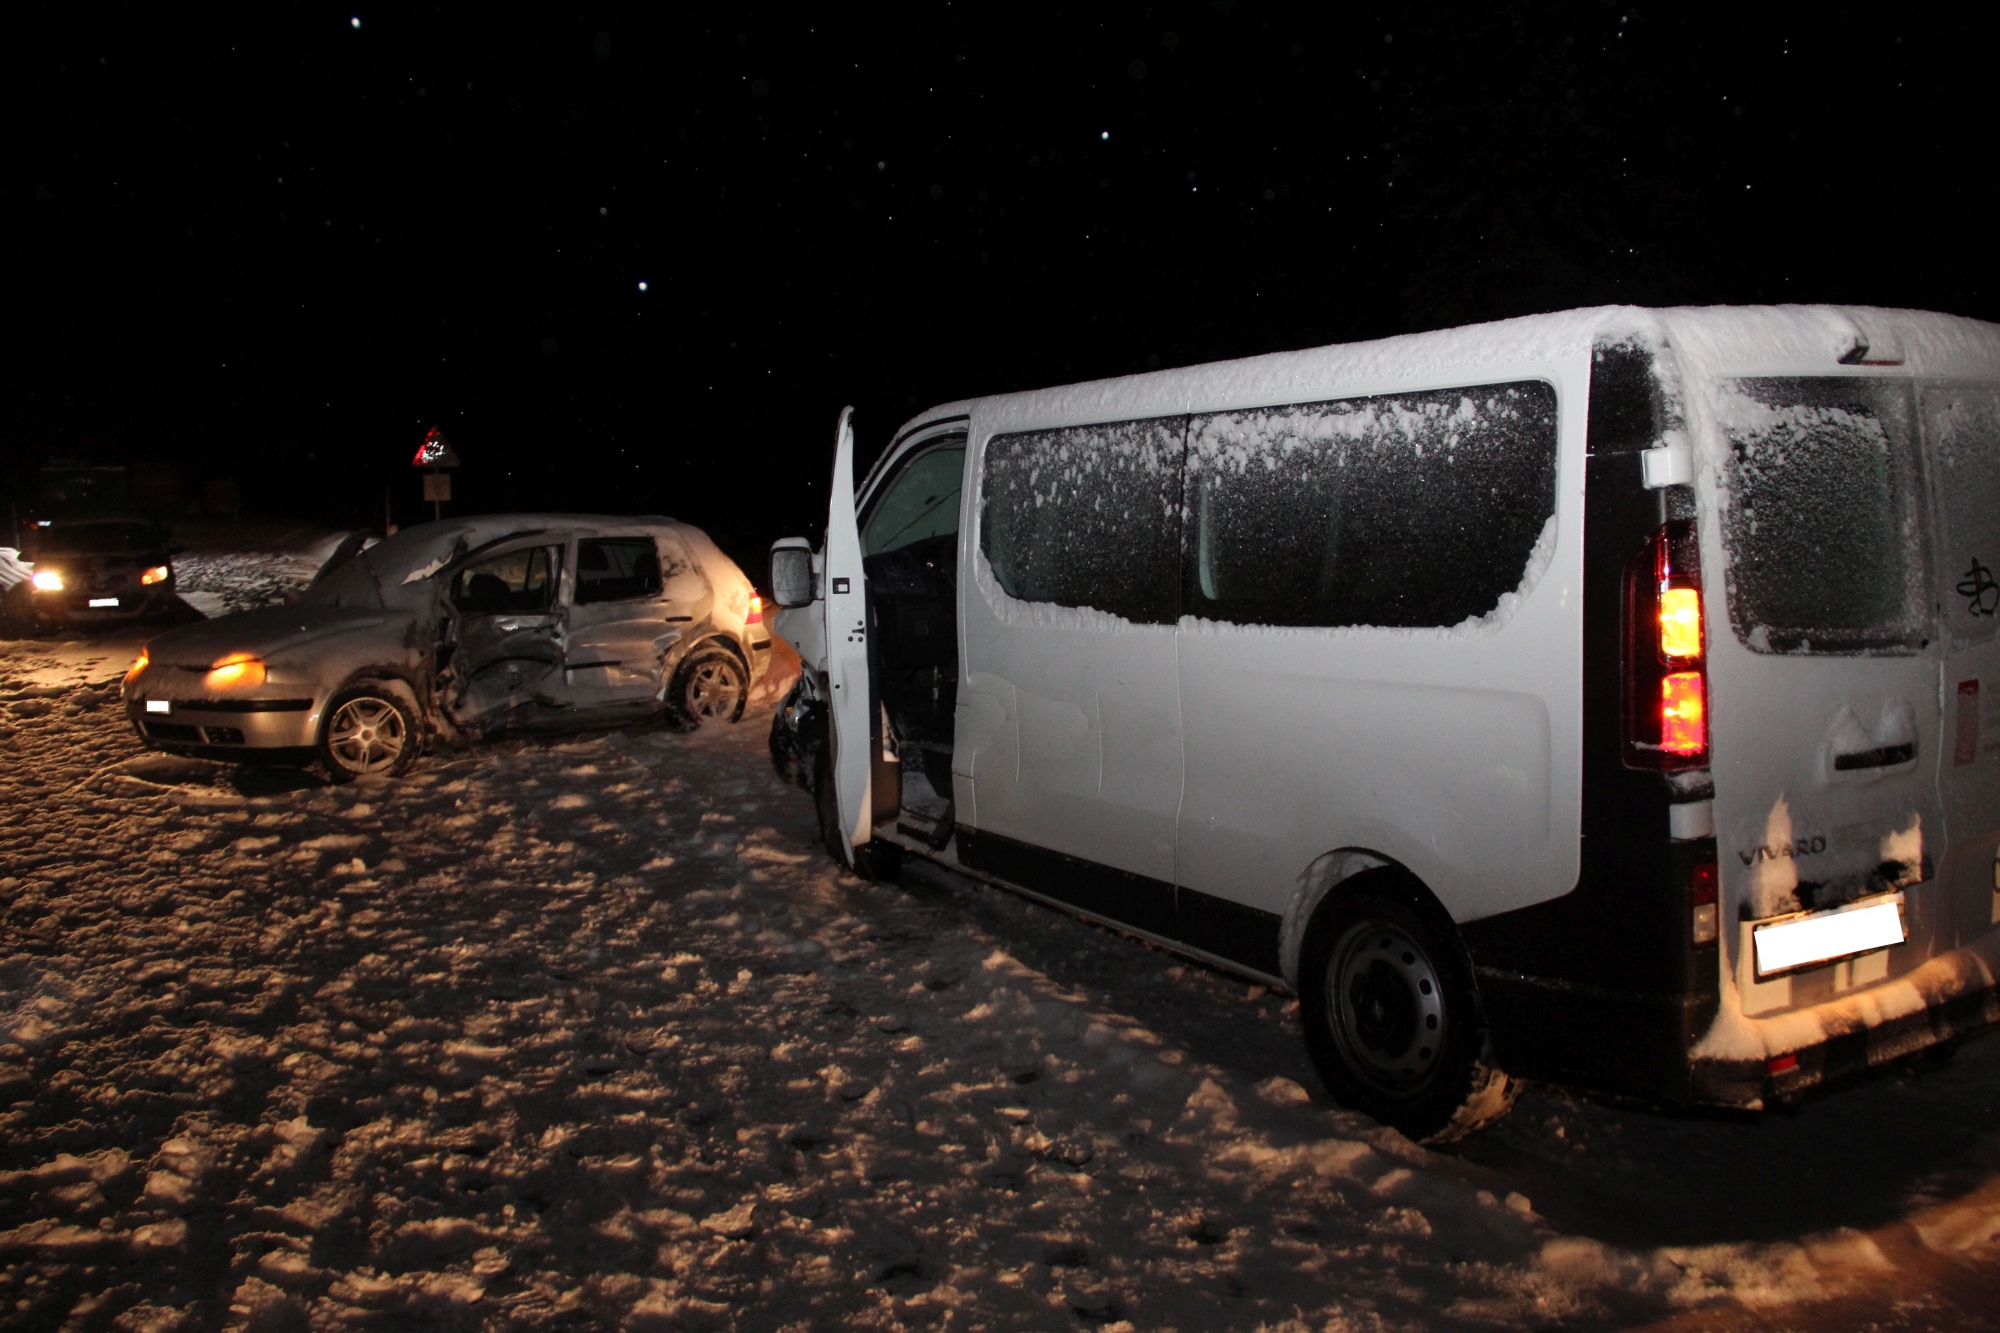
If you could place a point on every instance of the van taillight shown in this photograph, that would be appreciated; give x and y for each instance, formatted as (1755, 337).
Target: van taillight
(1666, 675)
(756, 615)
(1683, 726)
(1703, 881)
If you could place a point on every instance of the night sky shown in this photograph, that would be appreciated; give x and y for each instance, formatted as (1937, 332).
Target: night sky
(638, 263)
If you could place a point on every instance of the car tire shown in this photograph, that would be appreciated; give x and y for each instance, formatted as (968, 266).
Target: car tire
(1391, 1013)
(710, 686)
(368, 732)
(877, 861)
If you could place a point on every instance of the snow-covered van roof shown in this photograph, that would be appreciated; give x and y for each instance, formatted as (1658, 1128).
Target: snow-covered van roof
(1738, 339)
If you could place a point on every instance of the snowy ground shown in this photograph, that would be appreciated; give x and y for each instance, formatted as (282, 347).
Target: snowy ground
(588, 1032)
(219, 571)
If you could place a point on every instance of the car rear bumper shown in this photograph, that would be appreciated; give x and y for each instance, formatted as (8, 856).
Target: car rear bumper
(1752, 1062)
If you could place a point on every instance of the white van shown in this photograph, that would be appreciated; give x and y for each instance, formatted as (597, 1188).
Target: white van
(1604, 697)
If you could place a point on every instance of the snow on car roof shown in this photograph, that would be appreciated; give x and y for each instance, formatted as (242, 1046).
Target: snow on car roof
(420, 551)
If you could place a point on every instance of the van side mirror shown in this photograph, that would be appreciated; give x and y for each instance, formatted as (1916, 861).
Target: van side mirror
(792, 572)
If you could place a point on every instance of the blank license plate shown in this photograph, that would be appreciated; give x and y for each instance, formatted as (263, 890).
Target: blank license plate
(104, 601)
(1822, 937)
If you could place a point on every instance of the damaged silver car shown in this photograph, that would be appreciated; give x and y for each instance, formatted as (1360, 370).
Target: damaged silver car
(455, 630)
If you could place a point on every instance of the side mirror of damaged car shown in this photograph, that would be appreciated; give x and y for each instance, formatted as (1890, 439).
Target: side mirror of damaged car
(791, 572)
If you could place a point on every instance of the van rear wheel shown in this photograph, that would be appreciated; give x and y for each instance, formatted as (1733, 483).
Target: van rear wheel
(1391, 1015)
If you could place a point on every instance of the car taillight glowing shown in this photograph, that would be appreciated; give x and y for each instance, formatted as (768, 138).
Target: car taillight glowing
(756, 616)
(157, 574)
(238, 671)
(1666, 677)
(138, 667)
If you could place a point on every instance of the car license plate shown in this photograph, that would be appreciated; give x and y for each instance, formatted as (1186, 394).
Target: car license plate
(1812, 938)
(104, 601)
(159, 706)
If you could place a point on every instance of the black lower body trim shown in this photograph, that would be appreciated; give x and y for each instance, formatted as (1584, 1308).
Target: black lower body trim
(1246, 935)
(1223, 929)
(1138, 901)
(1593, 1036)
(294, 756)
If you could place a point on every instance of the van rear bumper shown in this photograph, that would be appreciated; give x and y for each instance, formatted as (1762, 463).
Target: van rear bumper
(1750, 1062)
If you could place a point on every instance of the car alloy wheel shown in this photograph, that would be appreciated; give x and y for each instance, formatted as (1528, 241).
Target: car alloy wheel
(366, 735)
(712, 688)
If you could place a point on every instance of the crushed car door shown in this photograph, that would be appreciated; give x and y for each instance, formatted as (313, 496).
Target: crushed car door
(845, 607)
(635, 597)
(502, 638)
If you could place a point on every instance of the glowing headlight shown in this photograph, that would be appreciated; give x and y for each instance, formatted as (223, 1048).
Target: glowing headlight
(47, 580)
(238, 671)
(138, 667)
(157, 574)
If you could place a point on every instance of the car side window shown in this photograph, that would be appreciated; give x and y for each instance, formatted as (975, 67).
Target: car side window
(515, 583)
(616, 569)
(919, 503)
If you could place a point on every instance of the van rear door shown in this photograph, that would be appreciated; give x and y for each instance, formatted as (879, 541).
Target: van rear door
(1823, 686)
(1961, 424)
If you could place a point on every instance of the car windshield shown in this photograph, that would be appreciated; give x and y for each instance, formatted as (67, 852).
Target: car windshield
(100, 539)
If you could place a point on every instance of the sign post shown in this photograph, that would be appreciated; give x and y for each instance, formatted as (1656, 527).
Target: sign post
(435, 455)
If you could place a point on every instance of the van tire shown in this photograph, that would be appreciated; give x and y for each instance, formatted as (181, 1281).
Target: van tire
(1391, 1015)
(876, 861)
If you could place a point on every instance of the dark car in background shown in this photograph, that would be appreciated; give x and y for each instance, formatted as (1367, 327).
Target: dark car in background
(99, 567)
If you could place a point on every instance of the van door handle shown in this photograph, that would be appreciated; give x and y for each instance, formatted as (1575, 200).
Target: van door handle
(1882, 756)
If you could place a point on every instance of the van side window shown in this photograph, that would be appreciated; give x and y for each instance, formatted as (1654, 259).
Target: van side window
(1962, 425)
(1823, 522)
(1088, 516)
(1404, 510)
(921, 502)
(616, 569)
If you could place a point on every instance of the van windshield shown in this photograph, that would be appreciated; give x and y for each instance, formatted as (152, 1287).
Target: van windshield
(1823, 522)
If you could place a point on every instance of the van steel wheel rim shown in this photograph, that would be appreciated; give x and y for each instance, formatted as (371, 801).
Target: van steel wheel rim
(712, 690)
(365, 736)
(1386, 1008)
